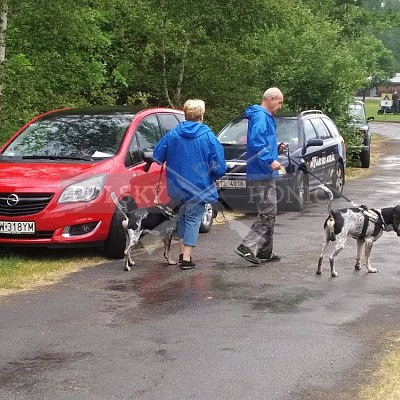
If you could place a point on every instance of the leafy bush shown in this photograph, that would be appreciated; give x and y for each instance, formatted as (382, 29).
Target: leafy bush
(354, 144)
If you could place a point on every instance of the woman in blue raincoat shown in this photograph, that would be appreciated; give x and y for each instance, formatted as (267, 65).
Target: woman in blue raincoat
(194, 160)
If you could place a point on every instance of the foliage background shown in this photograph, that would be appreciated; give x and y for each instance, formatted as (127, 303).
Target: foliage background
(161, 52)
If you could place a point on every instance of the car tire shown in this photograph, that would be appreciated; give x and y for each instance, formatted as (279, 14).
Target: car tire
(115, 243)
(297, 198)
(365, 158)
(208, 218)
(338, 181)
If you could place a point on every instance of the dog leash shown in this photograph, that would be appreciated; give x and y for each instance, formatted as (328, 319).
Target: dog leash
(339, 194)
(156, 198)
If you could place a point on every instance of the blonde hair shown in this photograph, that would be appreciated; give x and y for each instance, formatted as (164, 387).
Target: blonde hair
(194, 109)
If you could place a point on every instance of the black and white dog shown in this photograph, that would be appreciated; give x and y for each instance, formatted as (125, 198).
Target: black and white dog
(158, 220)
(363, 224)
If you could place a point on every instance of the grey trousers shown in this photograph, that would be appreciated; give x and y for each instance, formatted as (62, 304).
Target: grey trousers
(260, 237)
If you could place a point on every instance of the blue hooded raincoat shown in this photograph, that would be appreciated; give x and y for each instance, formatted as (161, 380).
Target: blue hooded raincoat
(195, 159)
(262, 143)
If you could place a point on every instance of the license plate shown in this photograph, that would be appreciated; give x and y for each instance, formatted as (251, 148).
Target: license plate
(231, 183)
(17, 228)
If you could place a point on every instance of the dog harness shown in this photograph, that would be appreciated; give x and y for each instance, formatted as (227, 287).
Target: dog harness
(373, 216)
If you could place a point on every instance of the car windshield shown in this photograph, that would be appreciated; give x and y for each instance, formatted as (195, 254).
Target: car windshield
(287, 130)
(71, 137)
(356, 112)
(236, 132)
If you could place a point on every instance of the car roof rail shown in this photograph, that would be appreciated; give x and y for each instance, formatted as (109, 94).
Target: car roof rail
(307, 112)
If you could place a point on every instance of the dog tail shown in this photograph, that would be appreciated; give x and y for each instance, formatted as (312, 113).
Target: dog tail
(330, 196)
(118, 204)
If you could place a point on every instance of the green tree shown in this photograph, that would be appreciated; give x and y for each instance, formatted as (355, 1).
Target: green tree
(53, 57)
(164, 51)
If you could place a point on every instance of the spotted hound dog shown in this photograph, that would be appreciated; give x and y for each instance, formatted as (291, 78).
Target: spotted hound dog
(363, 224)
(158, 220)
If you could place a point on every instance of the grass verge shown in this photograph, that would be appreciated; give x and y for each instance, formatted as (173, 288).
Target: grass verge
(27, 269)
(371, 109)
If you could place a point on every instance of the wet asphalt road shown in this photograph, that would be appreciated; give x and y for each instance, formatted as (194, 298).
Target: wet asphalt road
(225, 330)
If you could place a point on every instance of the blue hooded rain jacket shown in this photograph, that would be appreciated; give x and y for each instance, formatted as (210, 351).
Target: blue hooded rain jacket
(195, 159)
(262, 143)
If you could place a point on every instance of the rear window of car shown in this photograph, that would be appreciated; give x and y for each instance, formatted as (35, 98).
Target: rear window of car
(322, 131)
(332, 127)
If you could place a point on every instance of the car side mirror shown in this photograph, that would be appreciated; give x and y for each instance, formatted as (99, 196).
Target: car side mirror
(147, 157)
(315, 142)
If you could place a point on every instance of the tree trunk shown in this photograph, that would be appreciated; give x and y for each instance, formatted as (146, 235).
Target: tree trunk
(181, 74)
(3, 29)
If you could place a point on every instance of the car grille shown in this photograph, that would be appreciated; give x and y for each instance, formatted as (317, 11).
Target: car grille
(236, 169)
(27, 204)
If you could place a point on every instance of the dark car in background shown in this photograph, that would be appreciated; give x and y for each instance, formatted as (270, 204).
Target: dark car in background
(359, 120)
(58, 171)
(316, 153)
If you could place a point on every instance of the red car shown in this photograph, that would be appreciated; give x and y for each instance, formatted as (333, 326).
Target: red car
(57, 173)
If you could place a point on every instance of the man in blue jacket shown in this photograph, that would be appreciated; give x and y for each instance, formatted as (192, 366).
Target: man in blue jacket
(194, 159)
(262, 167)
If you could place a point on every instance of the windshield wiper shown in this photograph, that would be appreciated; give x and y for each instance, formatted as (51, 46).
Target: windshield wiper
(56, 158)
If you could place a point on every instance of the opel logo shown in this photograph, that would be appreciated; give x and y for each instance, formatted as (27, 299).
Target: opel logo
(12, 200)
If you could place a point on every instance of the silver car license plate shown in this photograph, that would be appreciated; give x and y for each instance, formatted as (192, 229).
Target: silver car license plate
(17, 228)
(231, 183)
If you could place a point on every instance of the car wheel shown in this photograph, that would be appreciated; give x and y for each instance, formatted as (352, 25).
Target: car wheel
(115, 243)
(116, 240)
(208, 218)
(365, 158)
(297, 198)
(338, 181)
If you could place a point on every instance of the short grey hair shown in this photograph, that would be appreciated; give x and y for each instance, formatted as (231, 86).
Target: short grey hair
(194, 109)
(271, 92)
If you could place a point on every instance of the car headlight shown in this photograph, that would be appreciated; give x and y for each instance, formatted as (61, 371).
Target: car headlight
(84, 191)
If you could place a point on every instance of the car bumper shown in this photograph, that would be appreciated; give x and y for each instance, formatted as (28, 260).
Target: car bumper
(59, 225)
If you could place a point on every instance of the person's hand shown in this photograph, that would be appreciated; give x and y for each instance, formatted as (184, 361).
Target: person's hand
(282, 147)
(275, 165)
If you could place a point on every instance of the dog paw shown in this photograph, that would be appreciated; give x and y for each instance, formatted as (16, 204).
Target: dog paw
(172, 262)
(318, 272)
(334, 274)
(372, 270)
(127, 268)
